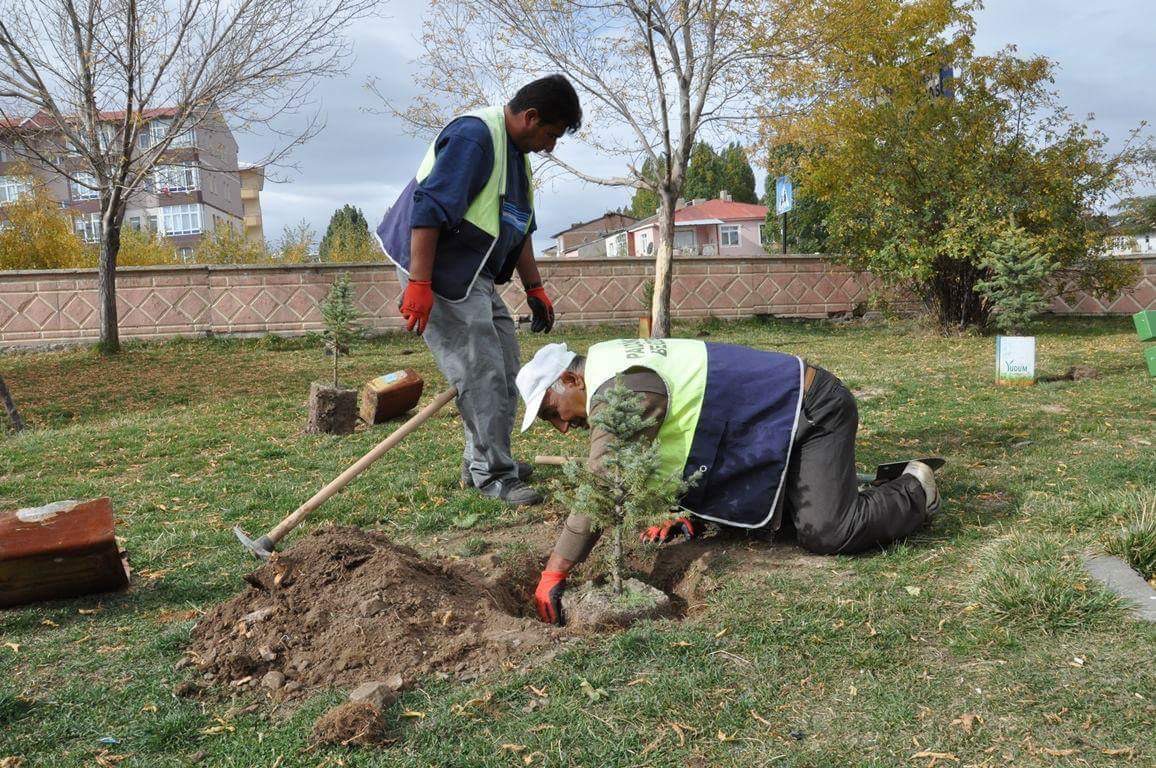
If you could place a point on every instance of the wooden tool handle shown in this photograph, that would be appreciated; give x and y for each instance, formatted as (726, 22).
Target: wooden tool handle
(342, 480)
(553, 461)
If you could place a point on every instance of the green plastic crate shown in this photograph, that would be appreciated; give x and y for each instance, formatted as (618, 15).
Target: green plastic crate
(1150, 355)
(1145, 321)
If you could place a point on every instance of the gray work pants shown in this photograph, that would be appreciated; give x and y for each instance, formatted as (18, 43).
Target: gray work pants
(474, 346)
(831, 515)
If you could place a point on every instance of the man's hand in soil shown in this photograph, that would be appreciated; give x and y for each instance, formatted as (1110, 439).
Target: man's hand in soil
(548, 597)
(416, 303)
(541, 308)
(668, 531)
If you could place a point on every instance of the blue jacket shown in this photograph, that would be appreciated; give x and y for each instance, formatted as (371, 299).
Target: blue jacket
(465, 160)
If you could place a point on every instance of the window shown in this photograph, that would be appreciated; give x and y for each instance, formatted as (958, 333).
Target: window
(683, 239)
(5, 154)
(153, 223)
(159, 129)
(11, 188)
(616, 246)
(84, 187)
(105, 135)
(88, 227)
(134, 222)
(185, 254)
(182, 219)
(729, 234)
(175, 178)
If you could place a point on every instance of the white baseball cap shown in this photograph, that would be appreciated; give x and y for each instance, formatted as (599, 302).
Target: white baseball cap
(536, 376)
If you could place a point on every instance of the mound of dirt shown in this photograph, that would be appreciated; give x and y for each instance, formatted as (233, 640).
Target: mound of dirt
(346, 605)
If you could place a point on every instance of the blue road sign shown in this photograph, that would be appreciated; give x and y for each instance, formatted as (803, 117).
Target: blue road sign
(784, 195)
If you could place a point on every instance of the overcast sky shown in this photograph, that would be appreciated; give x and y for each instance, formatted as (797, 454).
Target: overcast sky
(1107, 67)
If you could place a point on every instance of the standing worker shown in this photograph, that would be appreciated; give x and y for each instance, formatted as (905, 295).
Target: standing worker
(761, 428)
(460, 229)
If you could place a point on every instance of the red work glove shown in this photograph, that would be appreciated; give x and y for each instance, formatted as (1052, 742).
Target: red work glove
(542, 309)
(416, 303)
(548, 597)
(668, 531)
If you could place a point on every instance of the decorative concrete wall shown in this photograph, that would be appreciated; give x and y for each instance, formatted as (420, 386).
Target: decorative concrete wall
(50, 307)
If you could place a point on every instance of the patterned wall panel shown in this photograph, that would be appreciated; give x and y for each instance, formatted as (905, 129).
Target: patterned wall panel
(50, 307)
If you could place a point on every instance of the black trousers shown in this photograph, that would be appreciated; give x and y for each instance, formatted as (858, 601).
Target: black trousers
(830, 514)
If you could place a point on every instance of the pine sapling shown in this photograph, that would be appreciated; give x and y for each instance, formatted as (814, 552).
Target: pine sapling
(1015, 286)
(342, 320)
(631, 490)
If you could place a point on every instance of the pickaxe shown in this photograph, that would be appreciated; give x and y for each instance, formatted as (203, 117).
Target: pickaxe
(263, 547)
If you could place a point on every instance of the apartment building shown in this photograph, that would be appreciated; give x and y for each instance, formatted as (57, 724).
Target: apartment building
(252, 182)
(195, 189)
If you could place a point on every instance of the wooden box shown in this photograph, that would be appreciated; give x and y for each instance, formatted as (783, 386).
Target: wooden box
(389, 396)
(63, 549)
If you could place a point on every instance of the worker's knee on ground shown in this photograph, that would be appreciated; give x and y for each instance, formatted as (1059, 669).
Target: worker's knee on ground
(824, 539)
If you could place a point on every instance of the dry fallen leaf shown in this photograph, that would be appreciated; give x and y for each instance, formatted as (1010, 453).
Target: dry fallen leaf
(1121, 752)
(515, 748)
(413, 713)
(966, 721)
(1057, 752)
(14, 647)
(913, 590)
(934, 757)
(531, 757)
(11, 762)
(49, 623)
(539, 692)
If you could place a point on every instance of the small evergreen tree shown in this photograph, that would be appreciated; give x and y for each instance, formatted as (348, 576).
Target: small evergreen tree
(342, 320)
(631, 491)
(1014, 288)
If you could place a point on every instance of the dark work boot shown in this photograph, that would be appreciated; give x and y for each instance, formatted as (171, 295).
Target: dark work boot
(467, 480)
(514, 492)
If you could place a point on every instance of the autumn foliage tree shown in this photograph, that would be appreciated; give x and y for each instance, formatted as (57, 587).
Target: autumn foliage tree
(37, 234)
(922, 175)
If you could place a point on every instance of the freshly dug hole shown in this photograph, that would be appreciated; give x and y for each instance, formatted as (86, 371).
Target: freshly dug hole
(346, 605)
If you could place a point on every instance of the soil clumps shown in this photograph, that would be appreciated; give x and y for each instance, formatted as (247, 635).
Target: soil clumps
(346, 605)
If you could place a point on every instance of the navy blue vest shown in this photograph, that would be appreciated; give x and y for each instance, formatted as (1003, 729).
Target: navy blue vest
(742, 442)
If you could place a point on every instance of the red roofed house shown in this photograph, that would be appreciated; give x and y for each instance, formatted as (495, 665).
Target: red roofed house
(706, 228)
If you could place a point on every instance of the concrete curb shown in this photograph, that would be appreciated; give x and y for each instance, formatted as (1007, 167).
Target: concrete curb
(1124, 582)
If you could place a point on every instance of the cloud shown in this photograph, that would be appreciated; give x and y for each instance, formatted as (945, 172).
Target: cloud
(1107, 67)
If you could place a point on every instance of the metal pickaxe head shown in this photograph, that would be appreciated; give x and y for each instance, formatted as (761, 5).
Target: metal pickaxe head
(261, 548)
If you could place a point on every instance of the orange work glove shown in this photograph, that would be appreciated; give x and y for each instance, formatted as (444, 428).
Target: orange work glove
(416, 303)
(668, 531)
(548, 597)
(541, 308)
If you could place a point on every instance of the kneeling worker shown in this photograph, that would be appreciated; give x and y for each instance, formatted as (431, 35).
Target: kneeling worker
(763, 428)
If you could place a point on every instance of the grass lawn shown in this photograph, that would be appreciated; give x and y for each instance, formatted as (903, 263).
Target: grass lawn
(978, 642)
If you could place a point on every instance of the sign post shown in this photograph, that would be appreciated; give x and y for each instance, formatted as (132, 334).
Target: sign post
(784, 201)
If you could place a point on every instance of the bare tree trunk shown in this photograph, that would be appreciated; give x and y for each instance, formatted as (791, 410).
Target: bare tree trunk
(335, 353)
(616, 557)
(10, 407)
(106, 285)
(663, 268)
